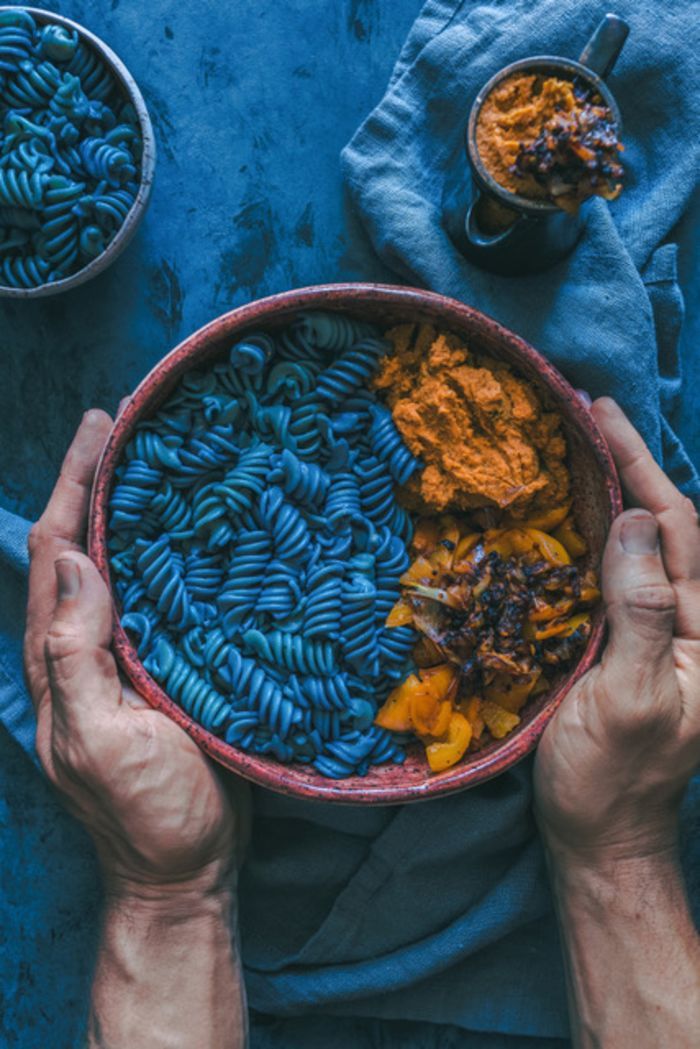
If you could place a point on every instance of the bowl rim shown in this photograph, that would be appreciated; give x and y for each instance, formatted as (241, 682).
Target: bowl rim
(135, 213)
(260, 769)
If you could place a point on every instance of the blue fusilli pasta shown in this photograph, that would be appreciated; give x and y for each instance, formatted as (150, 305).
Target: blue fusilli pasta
(70, 152)
(257, 544)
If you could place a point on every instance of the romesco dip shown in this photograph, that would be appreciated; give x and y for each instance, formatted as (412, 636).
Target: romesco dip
(549, 138)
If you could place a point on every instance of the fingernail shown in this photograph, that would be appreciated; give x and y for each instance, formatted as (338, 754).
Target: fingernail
(584, 397)
(67, 579)
(640, 534)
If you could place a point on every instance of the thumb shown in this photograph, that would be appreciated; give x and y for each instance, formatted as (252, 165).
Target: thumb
(640, 605)
(82, 670)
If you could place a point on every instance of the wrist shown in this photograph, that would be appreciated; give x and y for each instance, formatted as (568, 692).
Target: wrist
(144, 922)
(631, 950)
(199, 894)
(608, 856)
(627, 843)
(612, 878)
(169, 970)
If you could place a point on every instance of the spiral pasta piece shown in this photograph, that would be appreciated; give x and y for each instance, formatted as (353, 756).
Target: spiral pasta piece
(183, 684)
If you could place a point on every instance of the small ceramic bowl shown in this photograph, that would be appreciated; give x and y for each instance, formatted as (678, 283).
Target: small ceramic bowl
(148, 161)
(596, 498)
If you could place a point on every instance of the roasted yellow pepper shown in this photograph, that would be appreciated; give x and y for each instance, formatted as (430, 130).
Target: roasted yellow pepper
(499, 722)
(422, 703)
(472, 712)
(431, 700)
(444, 753)
(563, 628)
(510, 541)
(511, 693)
(395, 714)
(567, 535)
(548, 520)
(401, 614)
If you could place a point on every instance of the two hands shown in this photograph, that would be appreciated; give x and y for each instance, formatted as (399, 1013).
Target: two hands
(610, 770)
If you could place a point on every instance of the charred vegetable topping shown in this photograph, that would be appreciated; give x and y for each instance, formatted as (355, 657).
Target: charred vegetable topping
(548, 137)
(500, 612)
(576, 154)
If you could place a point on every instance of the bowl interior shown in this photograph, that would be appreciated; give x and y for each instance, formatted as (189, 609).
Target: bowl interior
(596, 500)
(124, 234)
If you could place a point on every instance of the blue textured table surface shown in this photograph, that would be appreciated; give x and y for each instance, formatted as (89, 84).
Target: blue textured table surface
(252, 102)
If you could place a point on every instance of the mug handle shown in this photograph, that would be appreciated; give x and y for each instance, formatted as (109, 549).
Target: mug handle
(472, 229)
(603, 49)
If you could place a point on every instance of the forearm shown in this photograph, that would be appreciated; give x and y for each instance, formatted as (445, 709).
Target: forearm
(632, 953)
(168, 976)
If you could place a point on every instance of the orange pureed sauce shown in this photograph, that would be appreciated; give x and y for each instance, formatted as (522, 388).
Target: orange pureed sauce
(549, 138)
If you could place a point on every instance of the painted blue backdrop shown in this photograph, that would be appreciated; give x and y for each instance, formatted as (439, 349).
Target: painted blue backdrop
(252, 102)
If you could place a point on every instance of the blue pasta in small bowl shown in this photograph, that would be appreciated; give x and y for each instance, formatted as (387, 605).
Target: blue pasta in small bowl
(77, 154)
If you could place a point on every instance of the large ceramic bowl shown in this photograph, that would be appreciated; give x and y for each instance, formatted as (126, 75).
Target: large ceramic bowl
(128, 228)
(596, 494)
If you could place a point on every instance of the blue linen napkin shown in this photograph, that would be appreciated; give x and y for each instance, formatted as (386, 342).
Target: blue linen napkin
(440, 913)
(16, 711)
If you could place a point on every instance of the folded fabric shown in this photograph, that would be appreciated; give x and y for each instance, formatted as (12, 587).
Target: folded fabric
(15, 708)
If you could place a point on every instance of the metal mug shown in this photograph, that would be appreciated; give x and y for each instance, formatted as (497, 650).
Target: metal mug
(540, 233)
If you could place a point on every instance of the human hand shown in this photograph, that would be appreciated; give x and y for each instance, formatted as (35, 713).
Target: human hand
(159, 816)
(613, 764)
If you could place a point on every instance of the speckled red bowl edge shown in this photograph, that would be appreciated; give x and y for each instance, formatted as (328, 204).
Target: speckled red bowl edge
(298, 780)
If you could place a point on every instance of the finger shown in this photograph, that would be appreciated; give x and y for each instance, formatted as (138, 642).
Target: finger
(65, 516)
(584, 397)
(122, 405)
(642, 477)
(82, 671)
(640, 604)
(61, 528)
(647, 486)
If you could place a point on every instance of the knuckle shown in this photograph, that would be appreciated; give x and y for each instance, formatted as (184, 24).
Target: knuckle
(72, 754)
(653, 722)
(104, 664)
(651, 717)
(689, 508)
(63, 641)
(70, 762)
(37, 538)
(658, 599)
